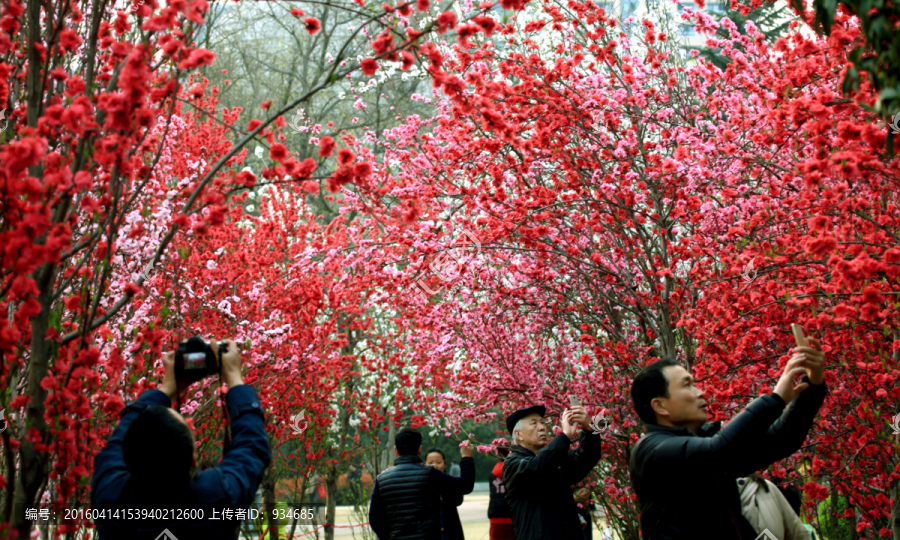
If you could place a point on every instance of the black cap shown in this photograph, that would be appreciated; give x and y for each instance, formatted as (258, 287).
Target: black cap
(512, 419)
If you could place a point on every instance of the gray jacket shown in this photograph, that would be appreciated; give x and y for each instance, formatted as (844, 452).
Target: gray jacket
(766, 509)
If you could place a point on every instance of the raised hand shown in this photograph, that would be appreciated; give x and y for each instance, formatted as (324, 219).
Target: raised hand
(580, 417)
(169, 384)
(230, 363)
(785, 386)
(466, 449)
(568, 427)
(815, 360)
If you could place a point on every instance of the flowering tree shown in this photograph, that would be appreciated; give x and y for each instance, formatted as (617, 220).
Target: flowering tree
(119, 175)
(620, 204)
(876, 49)
(624, 195)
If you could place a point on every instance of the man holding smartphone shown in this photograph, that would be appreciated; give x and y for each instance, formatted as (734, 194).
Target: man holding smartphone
(538, 474)
(684, 470)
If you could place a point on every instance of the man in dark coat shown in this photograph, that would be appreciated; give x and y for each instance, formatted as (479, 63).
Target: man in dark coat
(684, 470)
(146, 463)
(538, 476)
(406, 500)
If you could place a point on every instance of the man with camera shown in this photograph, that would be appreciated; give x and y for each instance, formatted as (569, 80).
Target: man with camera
(144, 469)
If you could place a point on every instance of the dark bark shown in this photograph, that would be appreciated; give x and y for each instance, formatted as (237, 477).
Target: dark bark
(32, 465)
(387, 456)
(268, 485)
(895, 511)
(331, 490)
(299, 507)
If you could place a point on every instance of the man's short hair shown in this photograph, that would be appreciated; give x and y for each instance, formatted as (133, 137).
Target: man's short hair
(650, 384)
(158, 450)
(408, 441)
(519, 425)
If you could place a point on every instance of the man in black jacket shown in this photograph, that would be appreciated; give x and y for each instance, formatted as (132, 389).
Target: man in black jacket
(684, 470)
(406, 500)
(538, 476)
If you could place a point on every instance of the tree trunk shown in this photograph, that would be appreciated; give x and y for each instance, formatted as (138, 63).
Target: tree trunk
(299, 507)
(268, 485)
(895, 511)
(387, 456)
(331, 491)
(32, 466)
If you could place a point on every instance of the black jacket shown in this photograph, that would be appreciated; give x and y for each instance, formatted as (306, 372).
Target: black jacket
(451, 527)
(406, 500)
(538, 487)
(686, 484)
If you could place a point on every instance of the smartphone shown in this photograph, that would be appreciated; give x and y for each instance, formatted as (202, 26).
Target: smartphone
(798, 335)
(573, 401)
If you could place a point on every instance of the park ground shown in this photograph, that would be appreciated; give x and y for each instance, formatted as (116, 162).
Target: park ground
(472, 514)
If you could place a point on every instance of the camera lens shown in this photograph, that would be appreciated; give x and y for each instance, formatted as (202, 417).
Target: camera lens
(195, 360)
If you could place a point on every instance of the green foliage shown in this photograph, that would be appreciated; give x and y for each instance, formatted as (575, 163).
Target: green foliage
(829, 527)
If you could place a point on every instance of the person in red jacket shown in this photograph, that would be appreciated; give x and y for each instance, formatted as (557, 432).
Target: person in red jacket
(498, 510)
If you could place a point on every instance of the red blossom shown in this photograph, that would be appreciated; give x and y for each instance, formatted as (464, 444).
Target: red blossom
(446, 21)
(197, 58)
(307, 167)
(246, 178)
(326, 146)
(487, 24)
(69, 40)
(362, 169)
(412, 214)
(278, 152)
(345, 156)
(406, 60)
(820, 224)
(340, 177)
(113, 405)
(820, 247)
(312, 25)
(369, 66)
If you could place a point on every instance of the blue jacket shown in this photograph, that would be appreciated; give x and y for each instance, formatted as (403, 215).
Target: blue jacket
(231, 485)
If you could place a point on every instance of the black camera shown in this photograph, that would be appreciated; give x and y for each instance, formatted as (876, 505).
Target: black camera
(194, 360)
